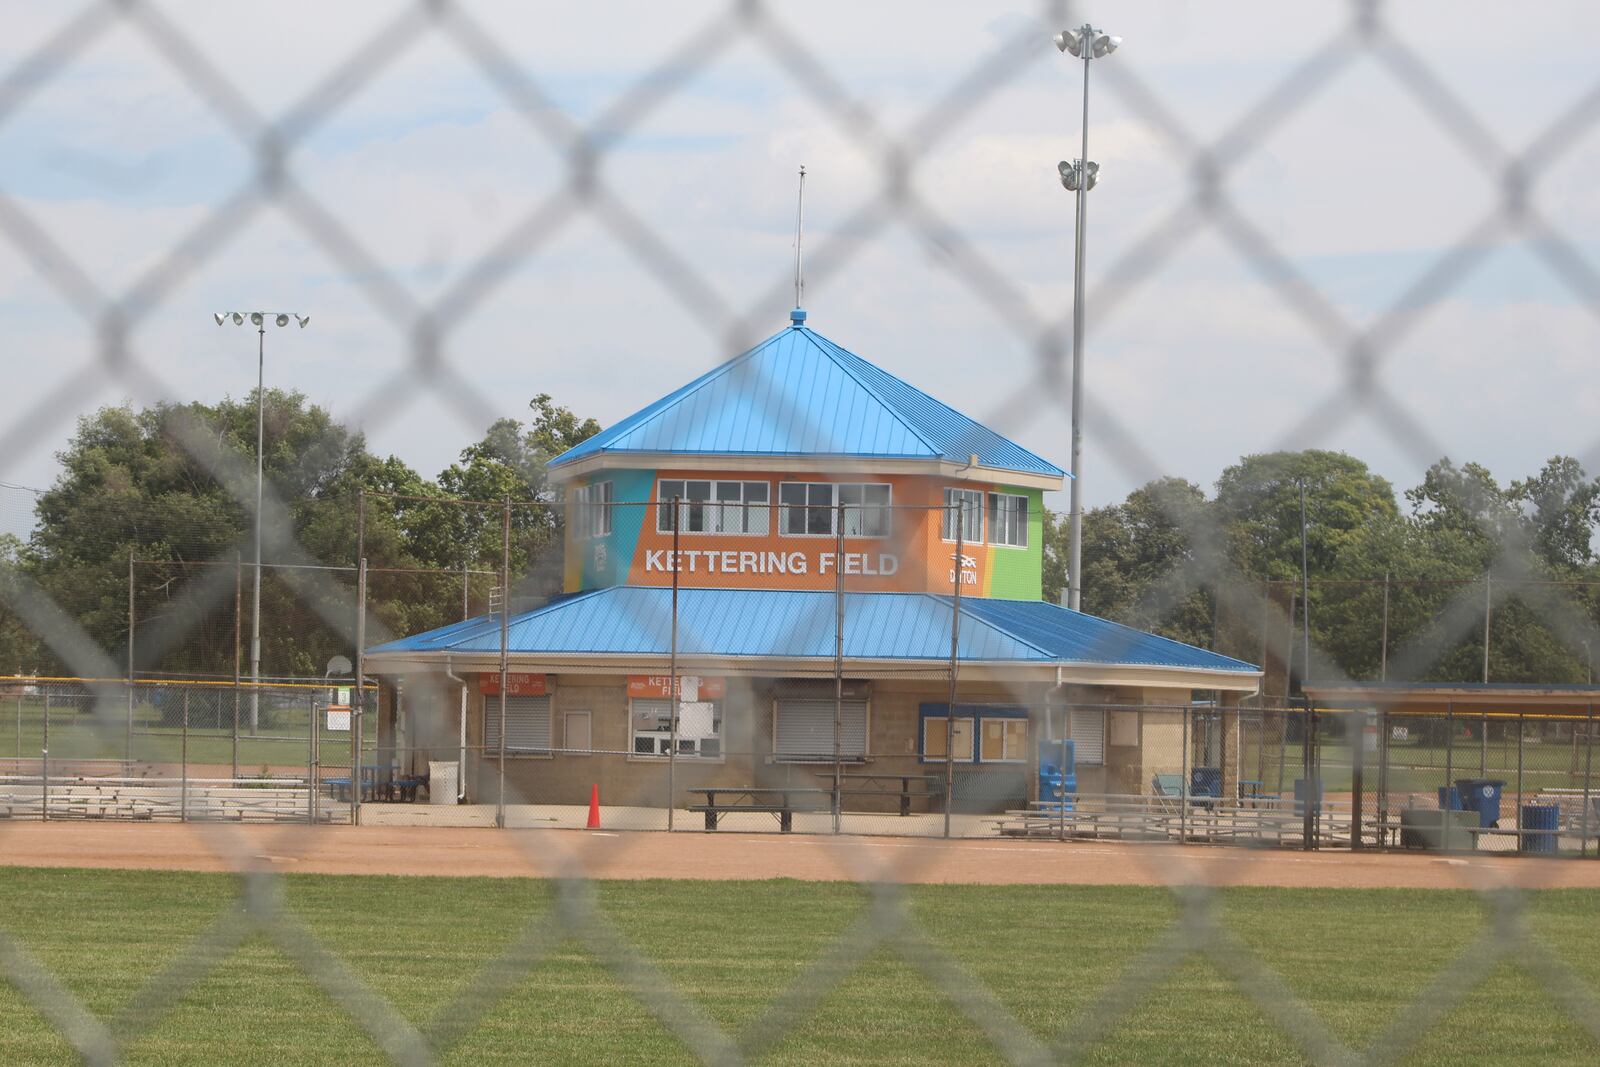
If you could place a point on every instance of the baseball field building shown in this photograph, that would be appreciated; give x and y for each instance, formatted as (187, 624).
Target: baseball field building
(770, 576)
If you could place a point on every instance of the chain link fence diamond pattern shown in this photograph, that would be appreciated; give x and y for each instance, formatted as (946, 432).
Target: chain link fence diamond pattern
(588, 189)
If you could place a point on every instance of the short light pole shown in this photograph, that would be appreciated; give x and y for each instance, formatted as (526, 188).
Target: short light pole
(258, 319)
(1079, 176)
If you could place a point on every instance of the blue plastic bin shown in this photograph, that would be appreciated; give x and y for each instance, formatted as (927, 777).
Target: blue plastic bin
(1300, 795)
(1057, 785)
(1481, 795)
(1449, 798)
(1539, 817)
(1205, 781)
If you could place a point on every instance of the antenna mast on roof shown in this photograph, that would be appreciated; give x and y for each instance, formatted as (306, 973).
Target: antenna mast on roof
(799, 248)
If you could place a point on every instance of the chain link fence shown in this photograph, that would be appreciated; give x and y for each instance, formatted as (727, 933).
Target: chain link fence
(1205, 773)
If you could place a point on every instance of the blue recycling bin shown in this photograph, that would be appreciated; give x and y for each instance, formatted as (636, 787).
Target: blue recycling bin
(1545, 822)
(1301, 793)
(1058, 781)
(1205, 782)
(1481, 795)
(1449, 798)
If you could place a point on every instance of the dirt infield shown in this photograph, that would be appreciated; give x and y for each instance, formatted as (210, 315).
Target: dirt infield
(727, 856)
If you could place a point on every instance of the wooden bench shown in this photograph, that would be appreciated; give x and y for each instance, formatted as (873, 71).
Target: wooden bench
(779, 801)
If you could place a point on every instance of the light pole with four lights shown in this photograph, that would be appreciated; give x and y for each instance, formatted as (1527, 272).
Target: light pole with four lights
(258, 319)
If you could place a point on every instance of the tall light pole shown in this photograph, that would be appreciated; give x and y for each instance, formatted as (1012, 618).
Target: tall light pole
(259, 319)
(1079, 176)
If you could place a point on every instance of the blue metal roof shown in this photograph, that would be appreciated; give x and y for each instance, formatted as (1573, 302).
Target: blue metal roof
(799, 394)
(799, 624)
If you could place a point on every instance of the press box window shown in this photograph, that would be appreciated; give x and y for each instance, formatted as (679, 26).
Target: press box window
(1008, 520)
(592, 513)
(714, 507)
(969, 504)
(866, 509)
(699, 727)
(808, 508)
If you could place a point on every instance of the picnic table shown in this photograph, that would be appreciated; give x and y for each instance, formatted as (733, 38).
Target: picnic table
(777, 800)
(887, 785)
(340, 784)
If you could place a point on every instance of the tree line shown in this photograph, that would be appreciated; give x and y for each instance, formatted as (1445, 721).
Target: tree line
(167, 484)
(1222, 571)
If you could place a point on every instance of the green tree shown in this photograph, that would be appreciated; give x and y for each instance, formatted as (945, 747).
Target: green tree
(1258, 506)
(1139, 561)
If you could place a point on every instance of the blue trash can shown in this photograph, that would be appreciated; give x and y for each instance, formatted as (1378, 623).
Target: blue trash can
(1205, 781)
(1057, 785)
(1449, 798)
(1545, 818)
(1482, 795)
(1300, 795)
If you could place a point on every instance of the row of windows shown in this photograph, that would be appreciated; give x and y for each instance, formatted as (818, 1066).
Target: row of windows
(964, 512)
(802, 730)
(805, 509)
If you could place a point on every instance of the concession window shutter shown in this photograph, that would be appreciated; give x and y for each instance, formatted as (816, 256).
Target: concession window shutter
(527, 724)
(1089, 735)
(803, 728)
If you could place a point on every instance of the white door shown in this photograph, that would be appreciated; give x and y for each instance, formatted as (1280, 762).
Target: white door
(578, 739)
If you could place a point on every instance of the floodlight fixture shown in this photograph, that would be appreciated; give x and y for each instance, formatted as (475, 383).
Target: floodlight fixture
(238, 319)
(1087, 43)
(1105, 44)
(304, 320)
(220, 316)
(282, 320)
(1070, 41)
(1072, 174)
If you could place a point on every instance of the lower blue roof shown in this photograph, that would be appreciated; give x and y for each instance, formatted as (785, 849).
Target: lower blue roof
(799, 624)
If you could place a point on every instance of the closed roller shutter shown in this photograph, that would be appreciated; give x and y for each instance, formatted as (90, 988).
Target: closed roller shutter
(1089, 736)
(804, 728)
(527, 724)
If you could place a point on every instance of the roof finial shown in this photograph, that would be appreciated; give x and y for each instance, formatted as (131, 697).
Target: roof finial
(798, 316)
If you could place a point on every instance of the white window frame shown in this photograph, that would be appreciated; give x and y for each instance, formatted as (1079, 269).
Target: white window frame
(973, 516)
(1008, 517)
(662, 739)
(808, 508)
(592, 511)
(726, 503)
(864, 517)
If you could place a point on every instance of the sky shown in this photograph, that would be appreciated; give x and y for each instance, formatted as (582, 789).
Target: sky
(427, 164)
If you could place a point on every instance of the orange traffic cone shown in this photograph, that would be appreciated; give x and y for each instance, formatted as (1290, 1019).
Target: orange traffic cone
(594, 807)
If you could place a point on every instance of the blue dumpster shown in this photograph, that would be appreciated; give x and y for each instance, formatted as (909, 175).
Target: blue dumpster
(1205, 782)
(1546, 820)
(1449, 798)
(1481, 795)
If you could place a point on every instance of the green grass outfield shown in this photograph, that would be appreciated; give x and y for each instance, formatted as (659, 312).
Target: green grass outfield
(1356, 957)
